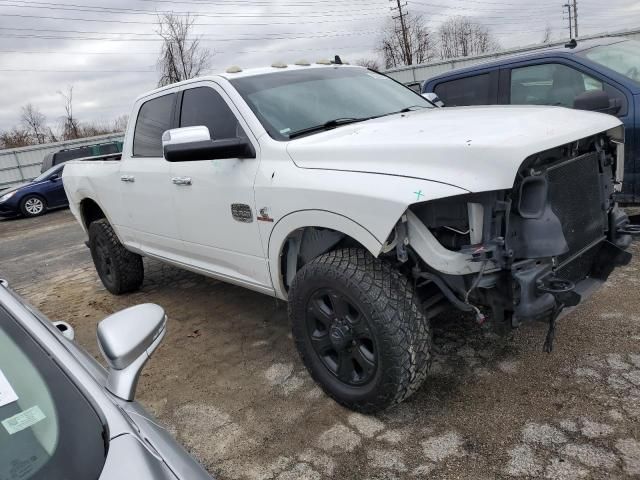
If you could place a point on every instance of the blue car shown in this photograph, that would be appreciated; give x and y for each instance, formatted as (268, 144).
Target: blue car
(599, 75)
(43, 193)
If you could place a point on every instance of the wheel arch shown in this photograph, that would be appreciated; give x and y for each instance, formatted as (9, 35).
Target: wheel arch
(90, 211)
(322, 231)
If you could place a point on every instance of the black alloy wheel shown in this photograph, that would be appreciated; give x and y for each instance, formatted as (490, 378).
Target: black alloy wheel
(341, 337)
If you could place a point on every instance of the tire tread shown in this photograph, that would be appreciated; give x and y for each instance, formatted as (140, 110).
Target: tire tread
(128, 266)
(406, 341)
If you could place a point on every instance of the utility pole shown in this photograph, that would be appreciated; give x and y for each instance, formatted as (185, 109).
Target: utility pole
(568, 7)
(405, 38)
(575, 17)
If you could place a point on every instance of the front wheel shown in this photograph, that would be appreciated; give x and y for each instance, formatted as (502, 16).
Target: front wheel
(32, 206)
(359, 329)
(120, 270)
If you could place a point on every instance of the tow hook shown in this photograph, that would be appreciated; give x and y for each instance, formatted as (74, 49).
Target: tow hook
(563, 291)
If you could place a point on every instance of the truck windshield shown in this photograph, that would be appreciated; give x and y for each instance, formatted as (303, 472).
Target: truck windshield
(622, 57)
(48, 430)
(306, 101)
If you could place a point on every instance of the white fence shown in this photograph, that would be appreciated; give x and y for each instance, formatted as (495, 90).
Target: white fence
(21, 164)
(422, 72)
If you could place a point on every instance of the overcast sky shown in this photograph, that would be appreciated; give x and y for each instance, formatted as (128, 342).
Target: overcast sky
(108, 50)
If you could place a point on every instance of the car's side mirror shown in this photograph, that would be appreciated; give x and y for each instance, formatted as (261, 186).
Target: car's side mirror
(596, 101)
(127, 339)
(433, 98)
(54, 178)
(190, 144)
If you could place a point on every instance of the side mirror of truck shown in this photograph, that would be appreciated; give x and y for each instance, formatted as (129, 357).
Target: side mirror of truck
(433, 98)
(596, 101)
(190, 144)
(127, 339)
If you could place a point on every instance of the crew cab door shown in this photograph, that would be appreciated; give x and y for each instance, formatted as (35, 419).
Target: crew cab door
(214, 199)
(144, 181)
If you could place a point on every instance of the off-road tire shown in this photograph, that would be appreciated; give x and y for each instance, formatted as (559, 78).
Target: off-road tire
(120, 270)
(395, 318)
(29, 212)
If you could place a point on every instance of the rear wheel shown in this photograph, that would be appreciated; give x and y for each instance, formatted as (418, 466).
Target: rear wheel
(32, 206)
(120, 270)
(359, 329)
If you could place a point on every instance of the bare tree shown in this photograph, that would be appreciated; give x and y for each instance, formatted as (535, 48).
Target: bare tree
(120, 123)
(70, 124)
(461, 37)
(34, 122)
(16, 137)
(420, 47)
(546, 38)
(182, 55)
(371, 63)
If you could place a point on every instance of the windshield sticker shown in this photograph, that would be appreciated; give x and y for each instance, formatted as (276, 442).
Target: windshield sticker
(285, 131)
(23, 420)
(7, 394)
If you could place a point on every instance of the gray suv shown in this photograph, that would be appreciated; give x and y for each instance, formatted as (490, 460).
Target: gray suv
(63, 416)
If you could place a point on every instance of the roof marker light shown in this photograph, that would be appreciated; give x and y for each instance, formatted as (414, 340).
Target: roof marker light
(234, 69)
(279, 65)
(303, 63)
(324, 61)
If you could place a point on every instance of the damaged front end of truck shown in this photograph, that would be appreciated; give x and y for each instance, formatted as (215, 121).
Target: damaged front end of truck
(525, 253)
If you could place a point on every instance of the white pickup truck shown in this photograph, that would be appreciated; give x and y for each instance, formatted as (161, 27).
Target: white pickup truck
(365, 207)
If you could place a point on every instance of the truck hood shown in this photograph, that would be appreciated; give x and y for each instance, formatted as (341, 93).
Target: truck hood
(474, 148)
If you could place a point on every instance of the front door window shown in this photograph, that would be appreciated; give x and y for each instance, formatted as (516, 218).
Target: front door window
(550, 84)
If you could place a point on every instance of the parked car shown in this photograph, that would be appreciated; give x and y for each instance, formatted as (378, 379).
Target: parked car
(600, 75)
(45, 192)
(61, 156)
(363, 205)
(64, 416)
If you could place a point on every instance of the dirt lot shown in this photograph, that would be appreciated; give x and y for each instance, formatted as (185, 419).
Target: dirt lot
(228, 384)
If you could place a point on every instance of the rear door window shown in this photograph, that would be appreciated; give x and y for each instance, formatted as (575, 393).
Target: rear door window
(205, 106)
(154, 118)
(476, 90)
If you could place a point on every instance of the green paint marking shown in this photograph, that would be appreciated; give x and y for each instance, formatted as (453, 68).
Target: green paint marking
(419, 194)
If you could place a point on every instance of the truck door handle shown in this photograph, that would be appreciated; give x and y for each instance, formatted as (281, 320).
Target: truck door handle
(128, 178)
(186, 181)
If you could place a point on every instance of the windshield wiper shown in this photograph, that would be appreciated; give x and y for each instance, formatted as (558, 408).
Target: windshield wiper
(326, 126)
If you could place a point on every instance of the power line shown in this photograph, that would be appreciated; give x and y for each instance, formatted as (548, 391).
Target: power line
(158, 38)
(76, 53)
(132, 22)
(131, 11)
(225, 39)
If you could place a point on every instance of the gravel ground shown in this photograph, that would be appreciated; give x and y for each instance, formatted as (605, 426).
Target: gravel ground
(228, 384)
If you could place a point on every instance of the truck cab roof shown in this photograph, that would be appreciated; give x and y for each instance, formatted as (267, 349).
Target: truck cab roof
(232, 73)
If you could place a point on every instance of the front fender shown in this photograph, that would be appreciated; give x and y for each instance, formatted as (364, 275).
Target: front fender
(313, 218)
